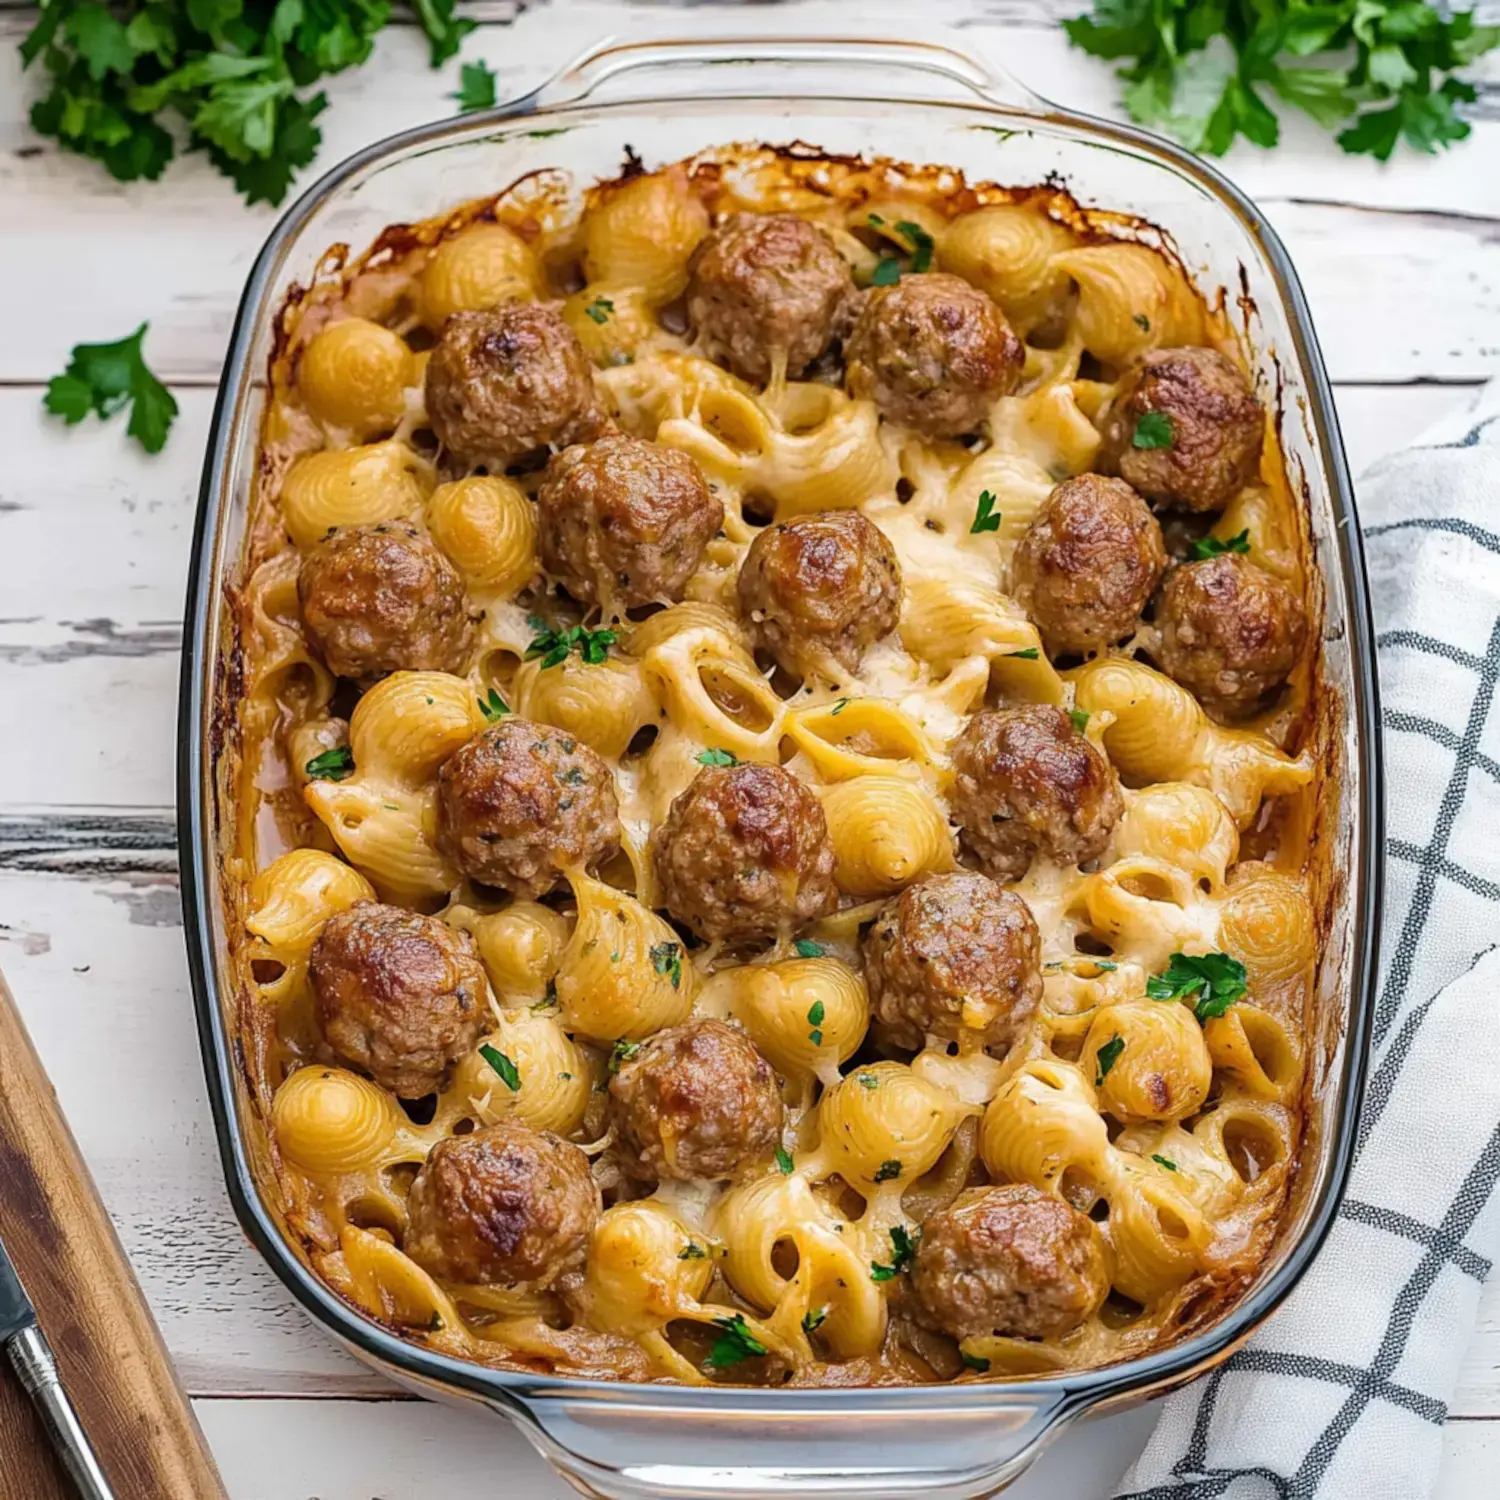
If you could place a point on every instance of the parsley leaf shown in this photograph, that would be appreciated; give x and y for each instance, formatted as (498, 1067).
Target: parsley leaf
(331, 765)
(476, 88)
(868, 1080)
(445, 31)
(666, 959)
(813, 1319)
(986, 517)
(1031, 653)
(1153, 430)
(1106, 1057)
(815, 1013)
(716, 758)
(1171, 1166)
(692, 1251)
(600, 309)
(806, 948)
(1079, 718)
(510, 1075)
(903, 1251)
(920, 242)
(623, 1051)
(736, 1343)
(105, 378)
(1210, 546)
(888, 1171)
(887, 272)
(1216, 979)
(784, 1161)
(975, 1362)
(556, 646)
(493, 706)
(838, 708)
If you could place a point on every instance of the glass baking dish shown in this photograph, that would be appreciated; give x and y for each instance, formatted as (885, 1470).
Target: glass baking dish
(913, 101)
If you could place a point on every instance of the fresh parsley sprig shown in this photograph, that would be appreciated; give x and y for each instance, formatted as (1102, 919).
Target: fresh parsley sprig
(476, 88)
(1211, 546)
(666, 959)
(510, 1075)
(734, 1344)
(903, 1252)
(1213, 981)
(986, 517)
(331, 765)
(1381, 69)
(556, 646)
(106, 378)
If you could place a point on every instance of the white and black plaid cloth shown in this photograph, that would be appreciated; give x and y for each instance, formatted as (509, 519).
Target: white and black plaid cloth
(1343, 1394)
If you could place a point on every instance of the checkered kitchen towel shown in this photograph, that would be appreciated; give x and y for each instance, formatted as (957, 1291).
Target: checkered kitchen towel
(1342, 1395)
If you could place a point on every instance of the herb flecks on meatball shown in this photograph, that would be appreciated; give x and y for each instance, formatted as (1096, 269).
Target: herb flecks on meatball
(819, 590)
(522, 805)
(1185, 429)
(744, 853)
(765, 286)
(502, 384)
(1026, 782)
(1089, 562)
(1229, 632)
(1009, 1260)
(694, 1101)
(502, 1206)
(954, 955)
(381, 598)
(398, 995)
(933, 353)
(623, 522)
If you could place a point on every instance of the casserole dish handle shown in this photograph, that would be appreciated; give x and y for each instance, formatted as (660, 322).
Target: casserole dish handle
(602, 68)
(941, 1443)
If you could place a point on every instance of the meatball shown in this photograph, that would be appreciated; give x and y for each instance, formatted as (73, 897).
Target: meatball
(380, 599)
(934, 353)
(523, 804)
(819, 587)
(953, 954)
(501, 1206)
(1091, 558)
(763, 284)
(1009, 1260)
(1229, 632)
(624, 522)
(1027, 782)
(696, 1100)
(1203, 444)
(503, 383)
(399, 995)
(743, 852)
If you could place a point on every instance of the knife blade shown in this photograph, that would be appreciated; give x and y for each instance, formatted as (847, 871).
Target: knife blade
(26, 1348)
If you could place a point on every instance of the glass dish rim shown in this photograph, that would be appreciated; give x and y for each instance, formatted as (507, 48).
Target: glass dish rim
(1070, 1391)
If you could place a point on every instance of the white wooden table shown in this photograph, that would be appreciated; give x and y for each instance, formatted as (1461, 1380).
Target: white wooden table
(1402, 267)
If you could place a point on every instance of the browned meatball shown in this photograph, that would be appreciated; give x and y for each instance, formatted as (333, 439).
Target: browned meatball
(503, 383)
(743, 852)
(1202, 447)
(953, 954)
(399, 995)
(934, 353)
(1027, 782)
(381, 598)
(819, 587)
(624, 522)
(522, 804)
(1010, 1260)
(696, 1100)
(763, 284)
(501, 1206)
(1088, 563)
(1230, 633)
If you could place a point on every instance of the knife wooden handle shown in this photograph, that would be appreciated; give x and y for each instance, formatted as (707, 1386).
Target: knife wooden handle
(113, 1363)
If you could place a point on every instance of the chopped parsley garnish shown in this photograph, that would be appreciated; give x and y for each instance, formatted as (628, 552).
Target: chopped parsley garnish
(975, 1362)
(986, 517)
(1107, 1056)
(838, 707)
(887, 273)
(868, 1080)
(716, 758)
(555, 646)
(1171, 1166)
(1080, 719)
(666, 959)
(331, 765)
(492, 706)
(815, 1013)
(510, 1074)
(813, 1319)
(600, 309)
(806, 948)
(476, 88)
(734, 1344)
(784, 1161)
(1215, 979)
(106, 378)
(623, 1052)
(903, 1249)
(888, 1171)
(1031, 653)
(1142, 322)
(1211, 546)
(692, 1251)
(1154, 430)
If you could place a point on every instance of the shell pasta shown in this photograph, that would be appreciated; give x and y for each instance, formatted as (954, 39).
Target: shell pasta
(777, 782)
